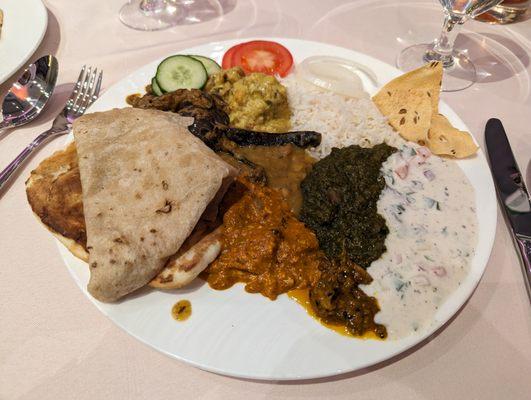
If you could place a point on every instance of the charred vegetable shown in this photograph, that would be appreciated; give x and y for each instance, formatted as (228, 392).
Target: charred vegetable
(211, 122)
(339, 203)
(303, 139)
(249, 170)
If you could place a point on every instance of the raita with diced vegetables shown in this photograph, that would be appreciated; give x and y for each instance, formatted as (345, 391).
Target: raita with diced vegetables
(429, 208)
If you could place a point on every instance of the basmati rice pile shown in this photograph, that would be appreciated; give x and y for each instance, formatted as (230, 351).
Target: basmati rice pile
(343, 121)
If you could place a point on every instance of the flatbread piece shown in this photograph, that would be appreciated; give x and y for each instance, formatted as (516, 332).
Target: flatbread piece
(146, 181)
(54, 194)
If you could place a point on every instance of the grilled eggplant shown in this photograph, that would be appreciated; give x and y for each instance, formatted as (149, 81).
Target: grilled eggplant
(211, 122)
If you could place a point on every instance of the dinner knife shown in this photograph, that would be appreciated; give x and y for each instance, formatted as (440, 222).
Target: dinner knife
(512, 193)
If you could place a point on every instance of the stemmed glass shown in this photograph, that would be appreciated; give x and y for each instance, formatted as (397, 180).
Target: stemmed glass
(153, 15)
(460, 72)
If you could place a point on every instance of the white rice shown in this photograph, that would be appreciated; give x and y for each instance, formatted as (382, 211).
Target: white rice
(343, 121)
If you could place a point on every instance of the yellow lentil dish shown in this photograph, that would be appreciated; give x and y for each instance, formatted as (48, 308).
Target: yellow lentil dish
(255, 101)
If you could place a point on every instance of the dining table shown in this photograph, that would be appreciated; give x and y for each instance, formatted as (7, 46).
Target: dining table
(54, 344)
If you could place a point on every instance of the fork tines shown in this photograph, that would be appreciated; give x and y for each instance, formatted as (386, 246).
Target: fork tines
(85, 91)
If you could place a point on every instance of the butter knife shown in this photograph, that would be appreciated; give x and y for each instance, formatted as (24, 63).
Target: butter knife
(512, 193)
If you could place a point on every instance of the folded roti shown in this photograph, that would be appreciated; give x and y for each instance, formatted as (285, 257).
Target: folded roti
(146, 181)
(54, 194)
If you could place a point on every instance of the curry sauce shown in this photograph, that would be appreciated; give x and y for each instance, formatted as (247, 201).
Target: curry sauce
(265, 246)
(285, 167)
(302, 297)
(181, 310)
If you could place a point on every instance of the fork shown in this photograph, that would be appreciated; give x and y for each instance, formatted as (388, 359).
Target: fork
(86, 90)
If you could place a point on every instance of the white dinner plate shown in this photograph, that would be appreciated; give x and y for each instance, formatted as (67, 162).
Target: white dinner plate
(247, 335)
(24, 27)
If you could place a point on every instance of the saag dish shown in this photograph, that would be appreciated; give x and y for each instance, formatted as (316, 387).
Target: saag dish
(339, 203)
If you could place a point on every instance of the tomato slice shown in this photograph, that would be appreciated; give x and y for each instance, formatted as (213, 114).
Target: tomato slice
(261, 56)
(226, 63)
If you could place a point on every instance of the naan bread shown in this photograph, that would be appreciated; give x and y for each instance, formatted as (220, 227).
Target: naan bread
(146, 181)
(54, 194)
(183, 267)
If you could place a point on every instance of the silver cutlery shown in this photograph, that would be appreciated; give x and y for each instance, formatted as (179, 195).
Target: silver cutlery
(528, 179)
(86, 90)
(30, 93)
(512, 193)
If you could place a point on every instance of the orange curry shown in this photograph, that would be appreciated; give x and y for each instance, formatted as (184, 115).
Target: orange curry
(265, 246)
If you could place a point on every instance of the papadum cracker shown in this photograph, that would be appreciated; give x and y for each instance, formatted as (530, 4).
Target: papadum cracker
(408, 111)
(444, 139)
(427, 78)
(411, 104)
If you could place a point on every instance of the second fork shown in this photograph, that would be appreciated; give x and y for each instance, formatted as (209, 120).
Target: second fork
(86, 91)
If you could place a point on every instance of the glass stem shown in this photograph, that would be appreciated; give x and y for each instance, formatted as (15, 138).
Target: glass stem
(152, 6)
(444, 45)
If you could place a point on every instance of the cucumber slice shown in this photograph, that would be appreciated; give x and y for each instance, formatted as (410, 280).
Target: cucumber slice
(155, 87)
(180, 72)
(210, 65)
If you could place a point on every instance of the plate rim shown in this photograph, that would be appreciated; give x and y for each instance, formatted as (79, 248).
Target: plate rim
(8, 73)
(419, 340)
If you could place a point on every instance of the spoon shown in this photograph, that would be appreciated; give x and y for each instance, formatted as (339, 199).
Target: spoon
(30, 93)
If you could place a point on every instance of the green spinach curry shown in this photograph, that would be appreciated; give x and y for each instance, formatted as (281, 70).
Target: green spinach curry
(339, 204)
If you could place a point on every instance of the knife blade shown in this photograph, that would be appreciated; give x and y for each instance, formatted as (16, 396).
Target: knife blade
(528, 174)
(512, 193)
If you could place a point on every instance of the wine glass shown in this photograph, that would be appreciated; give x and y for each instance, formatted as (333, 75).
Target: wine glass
(154, 15)
(460, 72)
